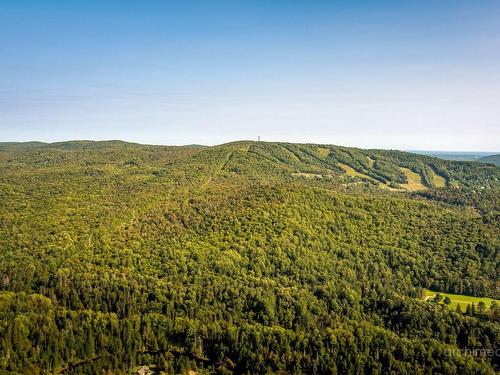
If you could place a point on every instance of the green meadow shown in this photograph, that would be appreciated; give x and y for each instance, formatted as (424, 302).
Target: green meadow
(459, 299)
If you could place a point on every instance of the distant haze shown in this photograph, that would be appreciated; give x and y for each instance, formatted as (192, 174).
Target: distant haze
(457, 155)
(410, 75)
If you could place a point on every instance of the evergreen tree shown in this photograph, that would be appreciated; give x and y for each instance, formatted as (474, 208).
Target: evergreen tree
(481, 308)
(469, 310)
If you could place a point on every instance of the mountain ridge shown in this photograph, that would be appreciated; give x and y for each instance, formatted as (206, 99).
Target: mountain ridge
(350, 167)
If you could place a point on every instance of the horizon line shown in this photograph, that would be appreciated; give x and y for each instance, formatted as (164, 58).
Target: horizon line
(248, 140)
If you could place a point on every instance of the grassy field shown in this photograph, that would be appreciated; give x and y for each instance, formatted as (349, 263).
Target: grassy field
(459, 298)
(349, 171)
(414, 180)
(437, 180)
(324, 152)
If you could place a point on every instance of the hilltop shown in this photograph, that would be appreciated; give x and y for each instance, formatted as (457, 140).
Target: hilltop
(328, 166)
(380, 168)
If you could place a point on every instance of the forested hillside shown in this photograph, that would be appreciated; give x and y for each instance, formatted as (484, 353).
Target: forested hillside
(493, 159)
(248, 257)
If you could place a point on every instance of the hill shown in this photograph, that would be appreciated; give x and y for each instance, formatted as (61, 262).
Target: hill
(493, 159)
(247, 257)
(456, 155)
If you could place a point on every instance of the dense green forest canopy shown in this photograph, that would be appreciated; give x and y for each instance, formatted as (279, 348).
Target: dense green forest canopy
(248, 257)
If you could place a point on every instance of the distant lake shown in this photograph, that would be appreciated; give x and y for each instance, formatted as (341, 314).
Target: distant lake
(456, 155)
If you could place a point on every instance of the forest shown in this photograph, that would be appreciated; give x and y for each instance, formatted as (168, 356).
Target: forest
(244, 258)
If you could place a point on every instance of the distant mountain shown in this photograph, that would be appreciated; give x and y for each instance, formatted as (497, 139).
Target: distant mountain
(21, 145)
(345, 166)
(493, 159)
(456, 155)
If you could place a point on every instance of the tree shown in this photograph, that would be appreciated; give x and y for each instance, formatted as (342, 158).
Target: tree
(447, 300)
(494, 313)
(458, 309)
(437, 298)
(481, 308)
(468, 311)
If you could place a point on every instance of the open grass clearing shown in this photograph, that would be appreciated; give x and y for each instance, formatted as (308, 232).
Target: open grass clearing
(349, 171)
(414, 180)
(324, 152)
(459, 298)
(437, 180)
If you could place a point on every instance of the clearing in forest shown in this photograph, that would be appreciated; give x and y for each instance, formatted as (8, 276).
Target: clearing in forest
(307, 175)
(455, 299)
(414, 180)
(323, 151)
(349, 171)
(437, 180)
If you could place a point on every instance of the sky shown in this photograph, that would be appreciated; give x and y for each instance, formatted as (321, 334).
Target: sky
(410, 75)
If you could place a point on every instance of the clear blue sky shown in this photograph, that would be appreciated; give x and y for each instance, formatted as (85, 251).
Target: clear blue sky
(422, 74)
